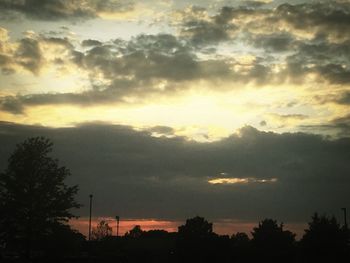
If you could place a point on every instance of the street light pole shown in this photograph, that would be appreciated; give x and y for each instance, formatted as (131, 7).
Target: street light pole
(117, 218)
(90, 216)
(345, 220)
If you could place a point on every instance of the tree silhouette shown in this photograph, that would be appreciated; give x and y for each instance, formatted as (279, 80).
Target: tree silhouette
(196, 241)
(102, 231)
(34, 198)
(240, 240)
(324, 239)
(62, 242)
(196, 227)
(135, 232)
(271, 242)
(240, 246)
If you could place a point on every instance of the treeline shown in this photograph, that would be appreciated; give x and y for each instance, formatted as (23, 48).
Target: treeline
(323, 241)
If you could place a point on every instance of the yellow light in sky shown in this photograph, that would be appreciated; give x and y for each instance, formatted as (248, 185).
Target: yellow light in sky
(202, 114)
(241, 180)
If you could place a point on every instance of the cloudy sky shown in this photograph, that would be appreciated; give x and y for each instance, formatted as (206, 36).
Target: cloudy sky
(233, 110)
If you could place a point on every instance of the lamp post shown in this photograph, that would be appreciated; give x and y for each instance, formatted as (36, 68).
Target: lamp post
(117, 218)
(90, 216)
(345, 221)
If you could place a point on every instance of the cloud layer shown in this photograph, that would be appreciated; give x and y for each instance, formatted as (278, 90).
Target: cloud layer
(64, 9)
(287, 176)
(238, 46)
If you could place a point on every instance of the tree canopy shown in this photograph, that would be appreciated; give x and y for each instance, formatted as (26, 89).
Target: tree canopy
(135, 232)
(33, 195)
(272, 243)
(325, 238)
(196, 227)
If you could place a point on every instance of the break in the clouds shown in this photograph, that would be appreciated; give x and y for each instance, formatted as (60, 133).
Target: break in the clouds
(248, 175)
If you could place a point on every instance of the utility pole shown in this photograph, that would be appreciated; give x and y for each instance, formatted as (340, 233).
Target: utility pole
(345, 220)
(90, 216)
(117, 218)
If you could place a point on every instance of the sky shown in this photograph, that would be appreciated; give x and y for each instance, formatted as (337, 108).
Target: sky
(164, 110)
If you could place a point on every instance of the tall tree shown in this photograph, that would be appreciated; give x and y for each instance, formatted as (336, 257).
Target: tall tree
(34, 198)
(325, 239)
(135, 232)
(101, 231)
(269, 234)
(196, 241)
(196, 227)
(272, 243)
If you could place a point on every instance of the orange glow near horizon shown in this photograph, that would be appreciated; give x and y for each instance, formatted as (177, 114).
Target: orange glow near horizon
(221, 227)
(125, 225)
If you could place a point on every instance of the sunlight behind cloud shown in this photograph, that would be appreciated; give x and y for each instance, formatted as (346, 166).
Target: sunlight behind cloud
(200, 114)
(241, 180)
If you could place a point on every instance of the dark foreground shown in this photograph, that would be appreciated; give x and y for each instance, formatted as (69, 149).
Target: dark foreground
(324, 241)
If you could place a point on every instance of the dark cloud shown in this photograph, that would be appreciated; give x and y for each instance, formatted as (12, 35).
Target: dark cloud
(6, 63)
(330, 17)
(205, 32)
(111, 6)
(285, 120)
(275, 42)
(150, 65)
(335, 73)
(12, 105)
(164, 57)
(330, 61)
(29, 55)
(144, 57)
(341, 98)
(344, 98)
(144, 66)
(139, 65)
(141, 176)
(90, 42)
(254, 4)
(338, 127)
(17, 104)
(320, 50)
(227, 14)
(64, 9)
(49, 10)
(342, 125)
(8, 70)
(277, 30)
(65, 42)
(200, 29)
(292, 116)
